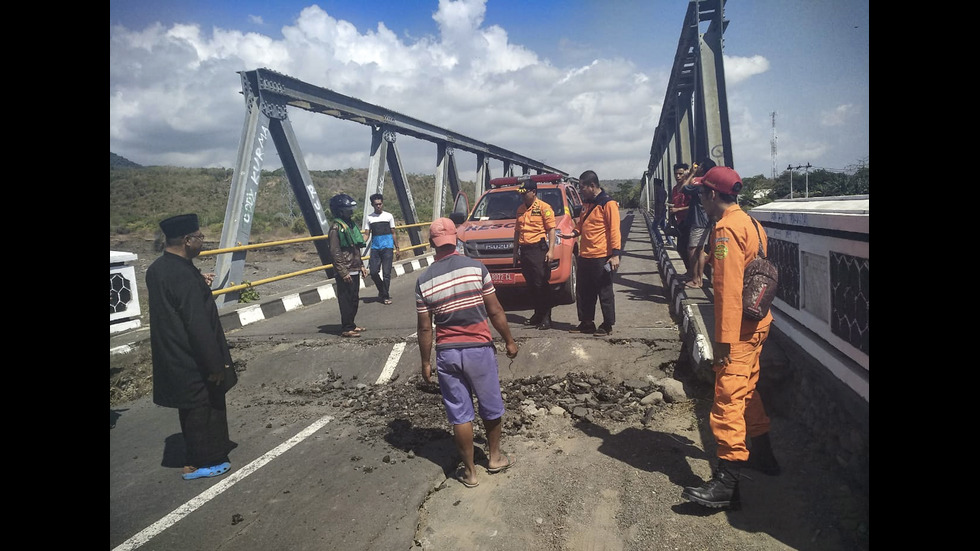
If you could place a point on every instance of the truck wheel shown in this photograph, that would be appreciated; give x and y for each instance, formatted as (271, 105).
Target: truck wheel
(566, 293)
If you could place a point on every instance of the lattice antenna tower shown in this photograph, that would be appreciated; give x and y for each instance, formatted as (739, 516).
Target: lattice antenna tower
(772, 144)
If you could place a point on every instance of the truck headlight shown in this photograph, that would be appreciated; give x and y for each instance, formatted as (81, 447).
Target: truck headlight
(460, 247)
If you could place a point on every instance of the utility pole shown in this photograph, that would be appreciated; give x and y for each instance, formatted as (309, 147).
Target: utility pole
(772, 144)
(808, 165)
(790, 169)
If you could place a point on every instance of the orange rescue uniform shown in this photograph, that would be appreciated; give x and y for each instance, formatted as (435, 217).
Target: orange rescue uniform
(738, 410)
(534, 222)
(599, 226)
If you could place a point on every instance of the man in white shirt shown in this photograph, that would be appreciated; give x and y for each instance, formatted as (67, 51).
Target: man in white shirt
(381, 225)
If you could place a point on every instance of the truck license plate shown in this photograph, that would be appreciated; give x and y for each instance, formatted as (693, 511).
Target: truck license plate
(502, 277)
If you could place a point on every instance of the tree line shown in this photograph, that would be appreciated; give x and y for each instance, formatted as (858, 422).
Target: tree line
(759, 190)
(139, 197)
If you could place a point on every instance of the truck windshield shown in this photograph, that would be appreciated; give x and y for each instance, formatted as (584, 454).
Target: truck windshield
(503, 205)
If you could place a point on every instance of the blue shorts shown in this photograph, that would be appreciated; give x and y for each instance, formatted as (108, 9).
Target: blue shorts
(464, 372)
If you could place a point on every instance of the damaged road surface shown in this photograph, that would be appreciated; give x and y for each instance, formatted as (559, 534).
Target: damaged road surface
(341, 445)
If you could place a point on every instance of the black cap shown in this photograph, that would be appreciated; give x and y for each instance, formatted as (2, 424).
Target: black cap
(179, 225)
(527, 185)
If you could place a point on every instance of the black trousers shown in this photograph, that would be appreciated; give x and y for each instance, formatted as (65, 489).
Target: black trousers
(684, 235)
(594, 282)
(348, 298)
(380, 266)
(536, 273)
(205, 431)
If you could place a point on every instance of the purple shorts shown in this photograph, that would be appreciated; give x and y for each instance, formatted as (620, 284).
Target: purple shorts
(464, 372)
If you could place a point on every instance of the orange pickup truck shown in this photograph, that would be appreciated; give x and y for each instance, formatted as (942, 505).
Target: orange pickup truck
(487, 234)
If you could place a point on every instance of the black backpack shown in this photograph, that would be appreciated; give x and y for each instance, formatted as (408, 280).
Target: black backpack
(759, 283)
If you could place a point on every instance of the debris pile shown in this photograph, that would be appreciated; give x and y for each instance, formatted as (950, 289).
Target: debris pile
(582, 396)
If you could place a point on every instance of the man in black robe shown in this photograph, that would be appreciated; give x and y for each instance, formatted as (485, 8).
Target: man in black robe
(192, 366)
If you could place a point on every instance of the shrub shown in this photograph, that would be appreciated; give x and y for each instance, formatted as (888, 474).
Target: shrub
(249, 293)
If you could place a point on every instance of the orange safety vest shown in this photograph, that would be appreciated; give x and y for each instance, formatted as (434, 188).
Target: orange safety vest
(534, 222)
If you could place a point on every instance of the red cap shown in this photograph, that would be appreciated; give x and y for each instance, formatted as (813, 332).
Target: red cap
(721, 178)
(442, 231)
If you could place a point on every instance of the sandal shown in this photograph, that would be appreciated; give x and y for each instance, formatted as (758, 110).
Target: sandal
(510, 463)
(387, 301)
(350, 334)
(207, 472)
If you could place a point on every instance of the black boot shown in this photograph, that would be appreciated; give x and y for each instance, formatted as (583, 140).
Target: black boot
(720, 491)
(545, 321)
(533, 320)
(760, 456)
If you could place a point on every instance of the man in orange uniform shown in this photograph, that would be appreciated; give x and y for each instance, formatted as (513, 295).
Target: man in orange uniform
(598, 256)
(534, 243)
(738, 410)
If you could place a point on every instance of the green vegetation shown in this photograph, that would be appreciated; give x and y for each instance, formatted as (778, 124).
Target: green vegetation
(249, 293)
(139, 197)
(854, 180)
(627, 194)
(759, 190)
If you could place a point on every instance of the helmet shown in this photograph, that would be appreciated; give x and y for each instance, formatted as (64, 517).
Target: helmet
(342, 205)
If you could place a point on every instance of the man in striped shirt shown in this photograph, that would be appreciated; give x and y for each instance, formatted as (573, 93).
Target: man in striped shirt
(457, 294)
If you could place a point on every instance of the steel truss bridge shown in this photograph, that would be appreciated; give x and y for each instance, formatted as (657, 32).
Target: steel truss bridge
(693, 125)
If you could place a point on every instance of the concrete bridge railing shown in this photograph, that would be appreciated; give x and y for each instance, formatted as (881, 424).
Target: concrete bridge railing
(821, 320)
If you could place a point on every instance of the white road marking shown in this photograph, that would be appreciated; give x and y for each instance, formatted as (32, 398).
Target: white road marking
(389, 369)
(209, 494)
(212, 492)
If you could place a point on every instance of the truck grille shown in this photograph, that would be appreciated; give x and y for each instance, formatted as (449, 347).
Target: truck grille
(500, 248)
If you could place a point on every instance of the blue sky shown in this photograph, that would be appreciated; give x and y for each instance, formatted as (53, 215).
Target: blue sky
(577, 84)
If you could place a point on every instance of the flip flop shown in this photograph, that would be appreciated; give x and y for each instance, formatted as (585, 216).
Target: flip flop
(359, 329)
(387, 301)
(350, 334)
(510, 463)
(467, 484)
(207, 472)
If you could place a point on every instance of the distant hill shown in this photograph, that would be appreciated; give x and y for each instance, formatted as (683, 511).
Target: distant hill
(115, 161)
(140, 196)
(611, 186)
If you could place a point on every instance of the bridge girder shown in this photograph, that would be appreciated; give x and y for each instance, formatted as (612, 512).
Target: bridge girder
(268, 94)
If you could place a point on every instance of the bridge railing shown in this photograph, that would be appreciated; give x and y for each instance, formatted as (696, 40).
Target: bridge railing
(821, 316)
(236, 288)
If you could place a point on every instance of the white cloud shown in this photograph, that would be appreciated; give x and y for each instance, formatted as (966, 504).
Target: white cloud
(256, 19)
(738, 69)
(175, 97)
(838, 115)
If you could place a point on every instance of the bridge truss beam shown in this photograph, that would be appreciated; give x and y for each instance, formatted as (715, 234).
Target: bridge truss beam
(694, 123)
(267, 96)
